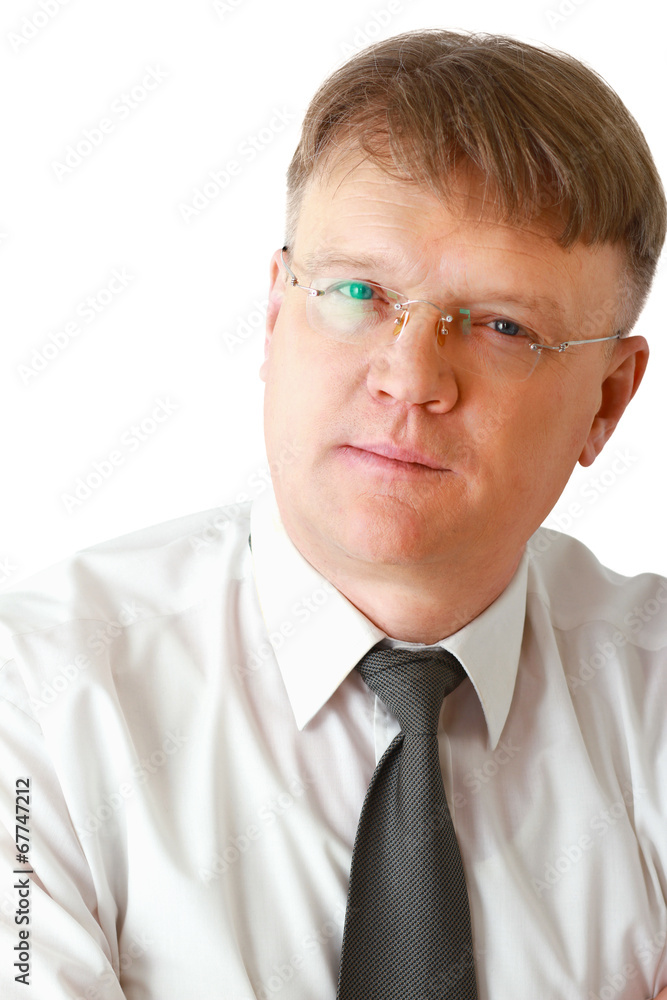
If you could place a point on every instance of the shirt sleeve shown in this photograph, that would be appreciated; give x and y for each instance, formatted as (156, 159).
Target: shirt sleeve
(57, 925)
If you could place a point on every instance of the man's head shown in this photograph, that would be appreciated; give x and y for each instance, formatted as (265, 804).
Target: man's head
(473, 173)
(545, 131)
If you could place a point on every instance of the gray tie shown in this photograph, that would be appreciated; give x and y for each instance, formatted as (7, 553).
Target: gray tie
(407, 925)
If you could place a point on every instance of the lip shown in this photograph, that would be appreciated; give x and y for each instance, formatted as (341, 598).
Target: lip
(391, 453)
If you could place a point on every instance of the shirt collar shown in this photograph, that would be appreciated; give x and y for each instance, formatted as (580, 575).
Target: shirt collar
(318, 636)
(489, 648)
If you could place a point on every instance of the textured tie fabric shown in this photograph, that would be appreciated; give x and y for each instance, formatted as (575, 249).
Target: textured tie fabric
(407, 925)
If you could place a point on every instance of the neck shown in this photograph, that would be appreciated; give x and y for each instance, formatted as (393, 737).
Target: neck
(416, 603)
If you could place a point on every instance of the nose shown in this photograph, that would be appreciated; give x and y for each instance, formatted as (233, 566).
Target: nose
(411, 370)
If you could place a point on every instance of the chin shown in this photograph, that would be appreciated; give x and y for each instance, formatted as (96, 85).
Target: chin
(384, 531)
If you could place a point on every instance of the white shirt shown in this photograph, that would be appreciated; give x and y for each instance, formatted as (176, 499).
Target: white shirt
(199, 746)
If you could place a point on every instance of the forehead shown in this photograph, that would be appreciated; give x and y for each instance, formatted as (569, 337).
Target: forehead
(349, 188)
(397, 231)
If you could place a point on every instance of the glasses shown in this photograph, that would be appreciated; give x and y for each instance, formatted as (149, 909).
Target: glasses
(357, 311)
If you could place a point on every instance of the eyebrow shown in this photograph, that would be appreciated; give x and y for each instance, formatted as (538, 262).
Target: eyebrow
(325, 260)
(321, 260)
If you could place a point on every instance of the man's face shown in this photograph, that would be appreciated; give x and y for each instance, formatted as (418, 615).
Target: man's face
(490, 457)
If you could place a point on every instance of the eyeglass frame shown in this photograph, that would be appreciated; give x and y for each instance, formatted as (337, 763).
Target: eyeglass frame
(559, 348)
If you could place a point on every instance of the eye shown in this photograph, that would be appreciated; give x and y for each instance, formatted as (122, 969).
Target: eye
(357, 290)
(506, 327)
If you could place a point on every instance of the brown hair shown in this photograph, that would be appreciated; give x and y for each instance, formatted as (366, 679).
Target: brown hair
(546, 131)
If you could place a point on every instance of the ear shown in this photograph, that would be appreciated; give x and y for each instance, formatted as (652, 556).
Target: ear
(624, 372)
(276, 293)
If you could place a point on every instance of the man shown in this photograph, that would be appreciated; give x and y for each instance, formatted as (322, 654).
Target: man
(180, 705)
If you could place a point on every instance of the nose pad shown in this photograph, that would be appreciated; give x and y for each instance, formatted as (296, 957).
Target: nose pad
(441, 331)
(441, 328)
(400, 323)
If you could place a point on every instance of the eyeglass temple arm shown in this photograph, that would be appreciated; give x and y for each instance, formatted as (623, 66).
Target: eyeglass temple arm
(293, 278)
(568, 343)
(289, 270)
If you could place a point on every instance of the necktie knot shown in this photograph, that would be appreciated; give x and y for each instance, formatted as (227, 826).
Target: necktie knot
(412, 683)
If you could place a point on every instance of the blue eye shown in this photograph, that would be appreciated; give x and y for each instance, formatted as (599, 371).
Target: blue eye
(506, 326)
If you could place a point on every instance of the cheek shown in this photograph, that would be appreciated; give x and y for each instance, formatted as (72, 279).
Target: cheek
(574, 402)
(519, 435)
(308, 383)
(549, 429)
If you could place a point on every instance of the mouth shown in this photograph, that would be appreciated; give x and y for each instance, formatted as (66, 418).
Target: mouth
(393, 459)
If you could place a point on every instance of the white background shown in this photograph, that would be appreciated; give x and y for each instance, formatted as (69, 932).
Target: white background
(219, 76)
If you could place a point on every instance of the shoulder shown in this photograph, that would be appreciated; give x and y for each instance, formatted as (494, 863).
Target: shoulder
(576, 589)
(155, 570)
